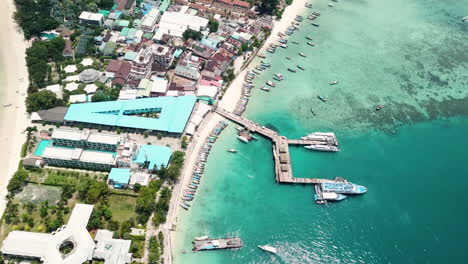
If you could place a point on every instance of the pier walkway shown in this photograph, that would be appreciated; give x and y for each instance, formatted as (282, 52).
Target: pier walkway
(283, 169)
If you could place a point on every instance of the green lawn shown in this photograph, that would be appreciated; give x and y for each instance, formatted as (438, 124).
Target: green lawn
(122, 207)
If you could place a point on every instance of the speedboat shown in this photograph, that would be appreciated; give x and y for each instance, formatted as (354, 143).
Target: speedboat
(465, 19)
(310, 44)
(300, 67)
(264, 88)
(334, 82)
(268, 248)
(291, 70)
(232, 150)
(309, 38)
(283, 46)
(302, 54)
(279, 75)
(379, 107)
(323, 99)
(270, 83)
(243, 139)
(330, 5)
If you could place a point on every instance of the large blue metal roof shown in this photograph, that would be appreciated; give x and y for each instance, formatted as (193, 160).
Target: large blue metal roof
(174, 113)
(155, 155)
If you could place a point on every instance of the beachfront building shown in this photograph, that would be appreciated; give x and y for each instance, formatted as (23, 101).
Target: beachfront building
(148, 24)
(188, 67)
(51, 247)
(91, 18)
(152, 157)
(165, 114)
(85, 139)
(175, 23)
(79, 158)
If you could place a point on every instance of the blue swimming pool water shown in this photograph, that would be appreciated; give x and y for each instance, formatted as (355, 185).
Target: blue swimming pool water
(42, 145)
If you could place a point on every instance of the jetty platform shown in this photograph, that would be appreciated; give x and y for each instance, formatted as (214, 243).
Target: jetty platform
(283, 168)
(218, 243)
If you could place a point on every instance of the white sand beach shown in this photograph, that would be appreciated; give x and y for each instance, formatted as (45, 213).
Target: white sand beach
(234, 92)
(229, 101)
(13, 89)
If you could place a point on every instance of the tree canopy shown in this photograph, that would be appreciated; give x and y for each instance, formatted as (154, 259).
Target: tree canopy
(34, 16)
(42, 100)
(213, 25)
(37, 56)
(192, 34)
(268, 6)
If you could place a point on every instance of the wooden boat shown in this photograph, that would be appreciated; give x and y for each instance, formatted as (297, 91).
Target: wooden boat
(261, 56)
(310, 44)
(291, 70)
(300, 67)
(302, 55)
(334, 82)
(314, 24)
(294, 42)
(232, 150)
(379, 107)
(309, 38)
(323, 99)
(264, 88)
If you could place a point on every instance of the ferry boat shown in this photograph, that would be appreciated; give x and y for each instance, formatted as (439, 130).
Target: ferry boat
(343, 187)
(217, 243)
(323, 99)
(334, 82)
(264, 88)
(268, 248)
(243, 139)
(302, 54)
(232, 150)
(315, 25)
(325, 148)
(310, 44)
(291, 70)
(270, 83)
(379, 107)
(300, 67)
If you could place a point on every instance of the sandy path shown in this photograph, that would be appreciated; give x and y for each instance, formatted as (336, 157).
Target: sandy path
(14, 83)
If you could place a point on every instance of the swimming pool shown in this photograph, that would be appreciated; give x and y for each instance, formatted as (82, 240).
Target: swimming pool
(42, 145)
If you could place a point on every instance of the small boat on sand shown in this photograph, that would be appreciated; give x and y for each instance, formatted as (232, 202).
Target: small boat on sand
(379, 107)
(323, 99)
(268, 248)
(302, 54)
(334, 82)
(232, 150)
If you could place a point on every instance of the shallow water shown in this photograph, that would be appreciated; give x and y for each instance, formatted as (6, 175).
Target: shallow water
(408, 55)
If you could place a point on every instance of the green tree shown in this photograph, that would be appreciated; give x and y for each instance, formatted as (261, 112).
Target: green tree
(213, 25)
(42, 100)
(192, 34)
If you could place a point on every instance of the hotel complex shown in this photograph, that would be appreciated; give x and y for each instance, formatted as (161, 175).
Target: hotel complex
(84, 149)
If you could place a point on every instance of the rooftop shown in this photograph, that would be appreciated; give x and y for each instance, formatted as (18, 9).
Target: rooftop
(155, 155)
(119, 176)
(174, 113)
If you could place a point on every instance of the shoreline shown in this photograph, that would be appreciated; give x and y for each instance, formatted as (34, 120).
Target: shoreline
(14, 80)
(230, 99)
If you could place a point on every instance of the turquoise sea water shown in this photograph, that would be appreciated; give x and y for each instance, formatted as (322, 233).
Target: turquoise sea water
(410, 56)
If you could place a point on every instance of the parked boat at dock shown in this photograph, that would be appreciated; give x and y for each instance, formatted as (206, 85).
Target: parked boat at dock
(325, 148)
(243, 139)
(321, 197)
(343, 187)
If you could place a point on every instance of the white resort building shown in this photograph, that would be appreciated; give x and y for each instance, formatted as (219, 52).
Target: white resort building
(70, 244)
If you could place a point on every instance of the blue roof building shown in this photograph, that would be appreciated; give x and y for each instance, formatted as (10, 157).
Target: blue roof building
(153, 155)
(119, 178)
(171, 113)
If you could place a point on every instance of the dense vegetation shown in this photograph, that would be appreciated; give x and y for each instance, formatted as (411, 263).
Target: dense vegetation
(34, 16)
(192, 34)
(42, 100)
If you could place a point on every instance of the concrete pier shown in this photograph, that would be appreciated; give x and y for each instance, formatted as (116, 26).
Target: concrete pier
(283, 169)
